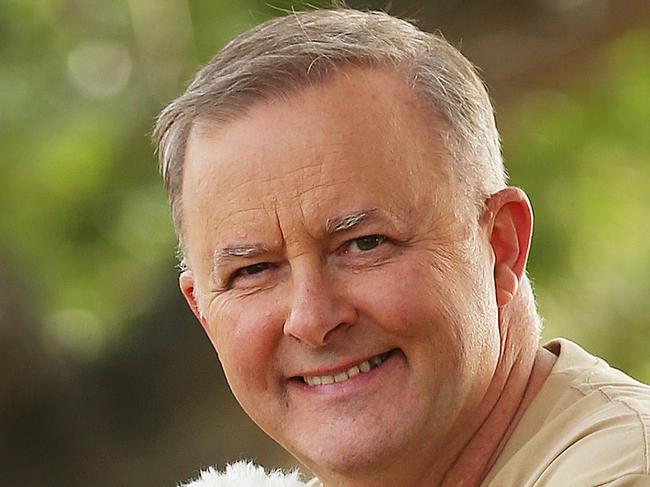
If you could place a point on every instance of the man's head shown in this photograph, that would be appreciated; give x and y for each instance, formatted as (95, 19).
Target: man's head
(338, 190)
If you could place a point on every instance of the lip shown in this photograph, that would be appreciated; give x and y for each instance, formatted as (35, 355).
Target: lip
(359, 381)
(338, 369)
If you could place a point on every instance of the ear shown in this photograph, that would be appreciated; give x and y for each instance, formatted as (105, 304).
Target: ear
(186, 282)
(511, 227)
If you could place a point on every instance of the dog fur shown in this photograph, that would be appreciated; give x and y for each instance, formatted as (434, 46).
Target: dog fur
(246, 474)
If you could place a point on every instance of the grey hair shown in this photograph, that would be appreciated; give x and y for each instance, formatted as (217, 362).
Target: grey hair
(286, 54)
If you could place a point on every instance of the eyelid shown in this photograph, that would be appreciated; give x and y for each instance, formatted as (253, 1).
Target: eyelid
(239, 272)
(382, 239)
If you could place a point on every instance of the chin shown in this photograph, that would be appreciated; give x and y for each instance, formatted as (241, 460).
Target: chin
(350, 448)
(347, 459)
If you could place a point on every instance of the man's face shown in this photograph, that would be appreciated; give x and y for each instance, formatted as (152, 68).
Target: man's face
(349, 298)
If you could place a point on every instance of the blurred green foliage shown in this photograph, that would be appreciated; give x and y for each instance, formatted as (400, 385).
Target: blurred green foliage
(583, 156)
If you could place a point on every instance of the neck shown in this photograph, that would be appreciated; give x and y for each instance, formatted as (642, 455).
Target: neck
(525, 378)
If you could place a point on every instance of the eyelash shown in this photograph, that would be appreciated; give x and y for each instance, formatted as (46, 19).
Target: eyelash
(379, 239)
(345, 249)
(245, 271)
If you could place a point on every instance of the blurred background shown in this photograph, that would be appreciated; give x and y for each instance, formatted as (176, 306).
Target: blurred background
(105, 378)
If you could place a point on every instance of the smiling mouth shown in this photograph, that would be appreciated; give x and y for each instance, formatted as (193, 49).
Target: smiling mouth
(360, 368)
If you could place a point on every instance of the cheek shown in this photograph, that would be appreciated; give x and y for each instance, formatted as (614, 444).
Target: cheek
(246, 334)
(404, 298)
(420, 303)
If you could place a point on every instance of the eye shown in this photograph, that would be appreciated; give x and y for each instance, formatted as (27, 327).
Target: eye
(365, 244)
(251, 270)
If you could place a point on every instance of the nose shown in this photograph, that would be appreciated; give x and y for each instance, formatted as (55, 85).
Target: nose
(318, 308)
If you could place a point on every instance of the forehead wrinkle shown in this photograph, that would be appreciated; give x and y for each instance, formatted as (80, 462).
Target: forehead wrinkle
(235, 214)
(310, 166)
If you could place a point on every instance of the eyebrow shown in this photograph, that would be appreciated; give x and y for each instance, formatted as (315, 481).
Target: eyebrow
(240, 251)
(346, 222)
(222, 256)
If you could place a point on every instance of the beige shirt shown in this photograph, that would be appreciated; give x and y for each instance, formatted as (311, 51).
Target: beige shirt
(588, 426)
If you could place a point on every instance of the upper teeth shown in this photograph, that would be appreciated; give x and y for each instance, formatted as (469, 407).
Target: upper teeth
(365, 366)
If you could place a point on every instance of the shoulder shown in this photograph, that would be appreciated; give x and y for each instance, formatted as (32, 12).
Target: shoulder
(588, 426)
(603, 421)
(596, 398)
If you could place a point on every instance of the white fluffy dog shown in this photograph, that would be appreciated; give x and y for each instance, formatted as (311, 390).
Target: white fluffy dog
(245, 474)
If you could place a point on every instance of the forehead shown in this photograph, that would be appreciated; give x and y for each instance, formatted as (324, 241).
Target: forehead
(360, 136)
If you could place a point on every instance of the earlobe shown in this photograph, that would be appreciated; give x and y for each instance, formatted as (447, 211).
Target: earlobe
(510, 236)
